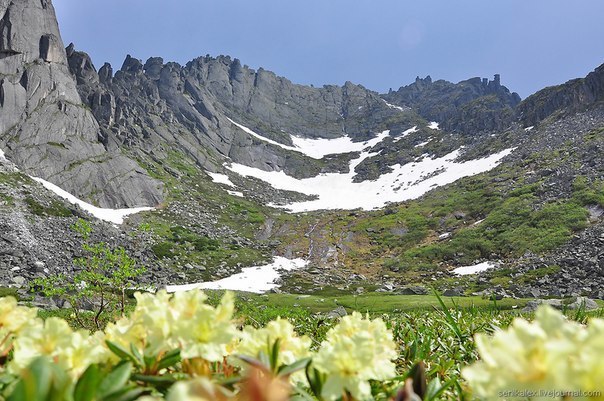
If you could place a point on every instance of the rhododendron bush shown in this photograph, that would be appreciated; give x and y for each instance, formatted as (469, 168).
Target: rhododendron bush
(180, 348)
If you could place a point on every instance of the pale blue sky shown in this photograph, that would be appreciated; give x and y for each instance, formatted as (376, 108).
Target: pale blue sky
(380, 44)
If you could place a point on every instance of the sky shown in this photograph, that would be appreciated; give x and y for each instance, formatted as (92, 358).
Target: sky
(379, 44)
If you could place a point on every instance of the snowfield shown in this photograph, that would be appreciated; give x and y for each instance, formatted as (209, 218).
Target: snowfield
(256, 279)
(465, 270)
(318, 148)
(115, 216)
(409, 181)
(406, 133)
(220, 179)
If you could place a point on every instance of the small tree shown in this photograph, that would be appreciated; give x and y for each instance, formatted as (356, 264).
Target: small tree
(100, 283)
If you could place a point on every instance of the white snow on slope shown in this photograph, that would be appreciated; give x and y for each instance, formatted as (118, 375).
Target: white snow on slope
(419, 145)
(527, 129)
(318, 148)
(393, 106)
(406, 133)
(115, 216)
(433, 125)
(235, 193)
(410, 181)
(220, 178)
(465, 270)
(256, 279)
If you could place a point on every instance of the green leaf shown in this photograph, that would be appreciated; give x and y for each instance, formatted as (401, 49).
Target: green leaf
(274, 356)
(169, 359)
(120, 351)
(294, 367)
(116, 380)
(87, 385)
(35, 382)
(127, 394)
(139, 359)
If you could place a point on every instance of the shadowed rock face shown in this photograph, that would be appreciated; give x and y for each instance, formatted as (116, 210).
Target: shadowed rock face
(574, 95)
(44, 127)
(155, 106)
(470, 106)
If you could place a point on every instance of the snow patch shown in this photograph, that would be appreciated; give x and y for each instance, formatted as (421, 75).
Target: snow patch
(419, 145)
(115, 216)
(220, 179)
(409, 181)
(393, 106)
(320, 147)
(406, 133)
(2, 156)
(527, 129)
(256, 279)
(433, 125)
(465, 270)
(235, 193)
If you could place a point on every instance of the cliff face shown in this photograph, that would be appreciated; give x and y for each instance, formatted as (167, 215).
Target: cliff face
(470, 106)
(154, 106)
(44, 127)
(574, 95)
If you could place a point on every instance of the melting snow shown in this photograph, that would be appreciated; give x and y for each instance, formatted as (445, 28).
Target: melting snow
(409, 181)
(433, 125)
(235, 193)
(393, 106)
(115, 216)
(464, 270)
(256, 279)
(406, 133)
(220, 178)
(419, 145)
(318, 148)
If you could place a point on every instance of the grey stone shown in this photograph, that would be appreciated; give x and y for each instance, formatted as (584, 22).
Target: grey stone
(337, 313)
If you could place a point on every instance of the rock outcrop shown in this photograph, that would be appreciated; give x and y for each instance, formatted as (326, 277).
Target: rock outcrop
(44, 126)
(155, 106)
(471, 106)
(575, 95)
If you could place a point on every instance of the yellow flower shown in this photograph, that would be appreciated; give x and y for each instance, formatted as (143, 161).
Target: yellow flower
(291, 347)
(355, 351)
(549, 354)
(162, 322)
(72, 351)
(201, 330)
(14, 318)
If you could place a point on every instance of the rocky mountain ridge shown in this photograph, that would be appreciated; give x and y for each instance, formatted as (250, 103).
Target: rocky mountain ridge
(168, 135)
(44, 127)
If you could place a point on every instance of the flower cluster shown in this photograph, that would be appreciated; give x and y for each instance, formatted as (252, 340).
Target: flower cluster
(13, 320)
(254, 341)
(355, 351)
(551, 355)
(73, 351)
(162, 322)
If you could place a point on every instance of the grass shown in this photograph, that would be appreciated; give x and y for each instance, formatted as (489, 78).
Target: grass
(374, 303)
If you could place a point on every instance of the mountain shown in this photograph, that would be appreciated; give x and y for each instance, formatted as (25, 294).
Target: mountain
(470, 106)
(45, 128)
(388, 190)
